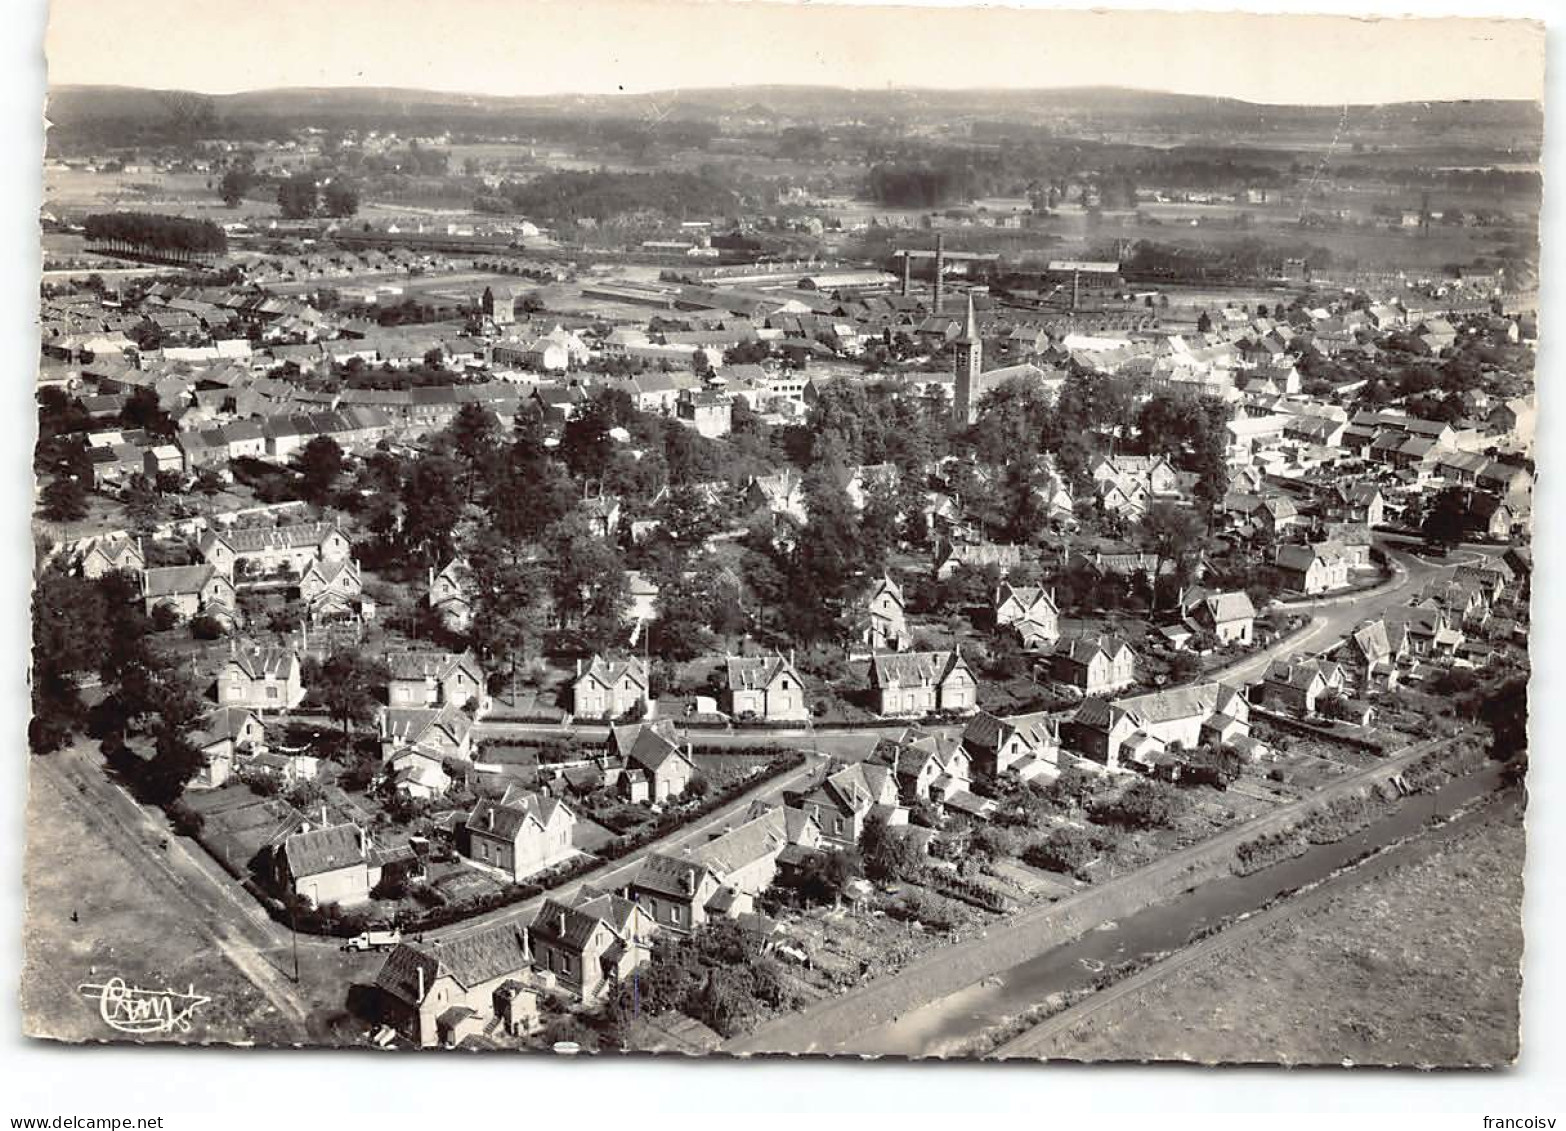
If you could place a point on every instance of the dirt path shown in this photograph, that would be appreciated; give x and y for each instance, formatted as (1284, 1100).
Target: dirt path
(174, 873)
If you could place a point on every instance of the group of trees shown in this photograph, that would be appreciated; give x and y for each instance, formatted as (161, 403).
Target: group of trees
(564, 197)
(920, 186)
(151, 234)
(94, 630)
(234, 184)
(717, 975)
(1018, 424)
(302, 196)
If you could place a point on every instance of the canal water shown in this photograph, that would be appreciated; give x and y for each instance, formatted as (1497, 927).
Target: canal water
(951, 1025)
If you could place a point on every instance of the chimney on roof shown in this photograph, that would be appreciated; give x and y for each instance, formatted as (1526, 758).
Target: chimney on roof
(562, 923)
(690, 881)
(421, 982)
(489, 815)
(907, 272)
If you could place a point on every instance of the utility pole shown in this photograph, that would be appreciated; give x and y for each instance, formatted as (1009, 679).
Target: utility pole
(293, 932)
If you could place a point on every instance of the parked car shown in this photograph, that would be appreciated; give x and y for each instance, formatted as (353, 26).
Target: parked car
(374, 940)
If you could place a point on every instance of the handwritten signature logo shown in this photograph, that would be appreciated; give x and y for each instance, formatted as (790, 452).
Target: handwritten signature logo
(131, 1009)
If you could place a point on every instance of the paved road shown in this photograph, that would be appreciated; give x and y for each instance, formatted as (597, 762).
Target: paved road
(832, 1025)
(1331, 619)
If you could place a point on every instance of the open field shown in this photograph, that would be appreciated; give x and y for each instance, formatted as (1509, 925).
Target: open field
(181, 194)
(154, 910)
(1418, 966)
(125, 928)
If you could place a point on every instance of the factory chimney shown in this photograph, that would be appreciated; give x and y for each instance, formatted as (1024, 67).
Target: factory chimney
(907, 272)
(940, 271)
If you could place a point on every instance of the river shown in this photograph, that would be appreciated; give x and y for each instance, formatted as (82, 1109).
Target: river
(949, 1026)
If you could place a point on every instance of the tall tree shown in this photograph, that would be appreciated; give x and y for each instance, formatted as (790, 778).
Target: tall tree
(234, 185)
(1446, 520)
(529, 492)
(585, 444)
(590, 589)
(340, 199)
(65, 499)
(1025, 513)
(347, 684)
(827, 558)
(511, 604)
(142, 410)
(1174, 535)
(475, 435)
(320, 463)
(298, 197)
(432, 502)
(880, 524)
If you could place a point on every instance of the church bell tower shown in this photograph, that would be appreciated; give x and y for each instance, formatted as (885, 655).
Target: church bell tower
(968, 356)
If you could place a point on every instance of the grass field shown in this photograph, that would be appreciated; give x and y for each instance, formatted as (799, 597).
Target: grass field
(125, 927)
(1420, 966)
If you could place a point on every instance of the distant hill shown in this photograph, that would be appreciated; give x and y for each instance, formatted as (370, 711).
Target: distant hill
(137, 111)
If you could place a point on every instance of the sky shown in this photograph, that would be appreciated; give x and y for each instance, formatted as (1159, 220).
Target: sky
(522, 47)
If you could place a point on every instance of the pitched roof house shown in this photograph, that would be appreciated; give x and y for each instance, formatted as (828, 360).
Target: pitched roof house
(1299, 686)
(439, 991)
(222, 737)
(445, 732)
(1030, 611)
(327, 865)
(764, 687)
(108, 553)
(590, 942)
(1026, 747)
(1142, 727)
(190, 591)
(451, 595)
(520, 835)
(922, 683)
(333, 590)
(261, 679)
(723, 877)
(436, 679)
(842, 800)
(885, 628)
(1095, 665)
(1313, 569)
(267, 549)
(657, 768)
(609, 689)
(929, 767)
(1230, 617)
